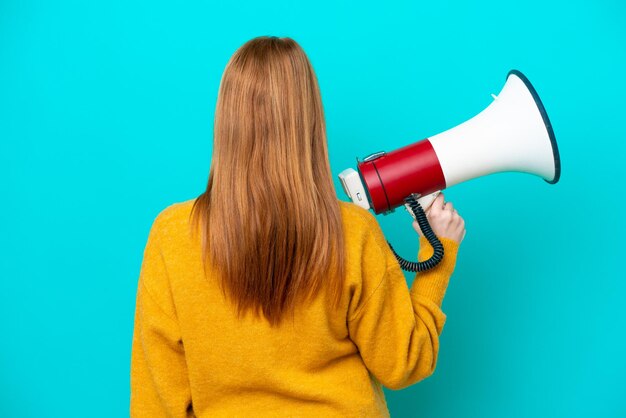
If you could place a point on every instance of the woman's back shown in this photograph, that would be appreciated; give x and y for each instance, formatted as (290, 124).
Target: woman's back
(192, 355)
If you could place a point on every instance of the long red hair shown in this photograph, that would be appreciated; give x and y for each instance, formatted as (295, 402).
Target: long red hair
(270, 219)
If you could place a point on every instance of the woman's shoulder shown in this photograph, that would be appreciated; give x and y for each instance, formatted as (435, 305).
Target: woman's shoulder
(176, 209)
(361, 225)
(353, 213)
(173, 216)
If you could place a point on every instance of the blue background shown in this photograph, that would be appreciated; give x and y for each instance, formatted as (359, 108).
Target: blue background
(106, 118)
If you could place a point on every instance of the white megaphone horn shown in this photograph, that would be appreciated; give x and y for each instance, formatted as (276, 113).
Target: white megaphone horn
(513, 133)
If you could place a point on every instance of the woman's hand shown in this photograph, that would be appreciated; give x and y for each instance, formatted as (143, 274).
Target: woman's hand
(444, 220)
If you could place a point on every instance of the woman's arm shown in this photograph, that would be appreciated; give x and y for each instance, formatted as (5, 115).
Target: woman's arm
(396, 329)
(159, 381)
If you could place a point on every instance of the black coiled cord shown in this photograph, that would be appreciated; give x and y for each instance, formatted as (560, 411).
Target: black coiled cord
(422, 221)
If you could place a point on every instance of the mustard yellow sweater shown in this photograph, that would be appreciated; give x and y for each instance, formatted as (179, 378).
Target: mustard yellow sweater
(192, 358)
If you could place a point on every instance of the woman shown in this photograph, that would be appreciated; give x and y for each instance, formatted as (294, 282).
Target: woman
(266, 296)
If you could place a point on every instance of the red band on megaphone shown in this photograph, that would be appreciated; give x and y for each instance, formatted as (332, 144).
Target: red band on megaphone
(390, 178)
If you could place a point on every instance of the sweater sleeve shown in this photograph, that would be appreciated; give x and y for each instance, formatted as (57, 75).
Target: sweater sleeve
(159, 381)
(396, 329)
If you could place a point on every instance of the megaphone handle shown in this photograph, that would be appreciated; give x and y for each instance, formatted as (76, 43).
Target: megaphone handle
(420, 216)
(425, 201)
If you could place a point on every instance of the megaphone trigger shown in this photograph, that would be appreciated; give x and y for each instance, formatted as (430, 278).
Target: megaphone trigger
(425, 201)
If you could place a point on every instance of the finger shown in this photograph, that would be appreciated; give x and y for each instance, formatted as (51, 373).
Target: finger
(437, 205)
(449, 206)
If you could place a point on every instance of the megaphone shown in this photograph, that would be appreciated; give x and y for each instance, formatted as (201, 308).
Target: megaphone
(513, 133)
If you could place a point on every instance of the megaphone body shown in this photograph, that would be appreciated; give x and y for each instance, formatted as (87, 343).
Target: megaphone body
(513, 133)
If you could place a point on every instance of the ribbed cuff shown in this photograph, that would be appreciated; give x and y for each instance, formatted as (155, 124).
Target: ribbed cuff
(433, 283)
